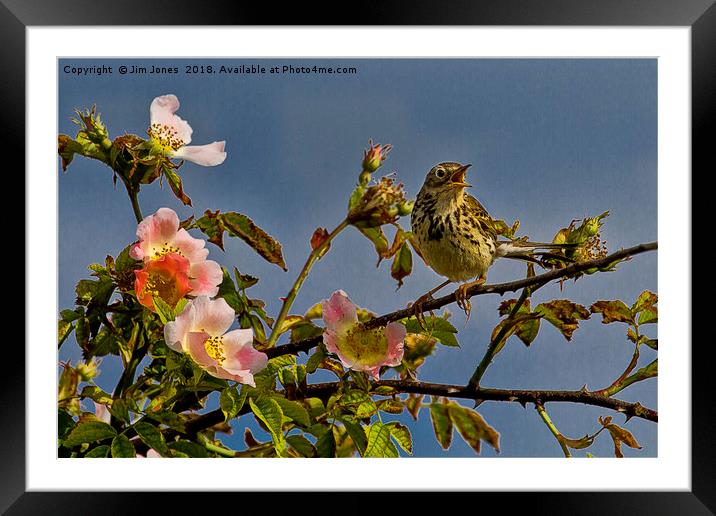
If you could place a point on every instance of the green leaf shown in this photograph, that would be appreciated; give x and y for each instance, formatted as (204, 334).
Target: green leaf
(100, 452)
(442, 424)
(119, 410)
(164, 311)
(649, 316)
(652, 343)
(302, 445)
(176, 185)
(305, 330)
(64, 329)
(316, 407)
(356, 196)
(152, 437)
(123, 447)
(377, 237)
(361, 380)
(526, 324)
(357, 433)
(402, 265)
(563, 315)
(613, 311)
(265, 245)
(402, 436)
(437, 327)
(189, 448)
(228, 292)
(391, 406)
(289, 322)
(645, 301)
(326, 444)
(244, 281)
(231, 402)
(89, 432)
(294, 410)
(359, 402)
(379, 443)
(64, 423)
(269, 412)
(472, 427)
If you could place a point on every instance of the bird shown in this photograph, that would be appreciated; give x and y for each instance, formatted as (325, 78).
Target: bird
(457, 237)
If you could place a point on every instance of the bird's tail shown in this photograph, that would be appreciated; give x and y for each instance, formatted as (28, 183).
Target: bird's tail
(520, 249)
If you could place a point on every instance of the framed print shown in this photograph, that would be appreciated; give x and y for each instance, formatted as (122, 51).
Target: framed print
(205, 254)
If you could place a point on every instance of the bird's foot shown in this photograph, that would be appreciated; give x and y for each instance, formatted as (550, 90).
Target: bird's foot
(417, 308)
(461, 297)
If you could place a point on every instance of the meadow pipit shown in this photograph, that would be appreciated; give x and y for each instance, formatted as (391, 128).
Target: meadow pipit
(456, 236)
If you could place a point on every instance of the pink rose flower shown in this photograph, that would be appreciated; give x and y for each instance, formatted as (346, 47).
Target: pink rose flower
(172, 135)
(162, 240)
(201, 331)
(358, 348)
(166, 277)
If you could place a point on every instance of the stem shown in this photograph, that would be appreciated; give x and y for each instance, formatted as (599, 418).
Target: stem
(217, 449)
(315, 255)
(495, 345)
(135, 203)
(618, 384)
(547, 421)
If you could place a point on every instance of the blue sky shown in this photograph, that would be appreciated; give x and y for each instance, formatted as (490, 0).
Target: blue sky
(549, 140)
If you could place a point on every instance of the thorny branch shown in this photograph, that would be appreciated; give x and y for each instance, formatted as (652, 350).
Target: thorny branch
(305, 345)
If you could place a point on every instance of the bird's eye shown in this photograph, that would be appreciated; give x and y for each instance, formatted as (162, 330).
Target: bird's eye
(440, 173)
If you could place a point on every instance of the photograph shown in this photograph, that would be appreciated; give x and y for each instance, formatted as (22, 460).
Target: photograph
(383, 257)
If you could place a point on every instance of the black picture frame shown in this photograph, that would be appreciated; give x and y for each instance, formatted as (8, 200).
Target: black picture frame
(700, 15)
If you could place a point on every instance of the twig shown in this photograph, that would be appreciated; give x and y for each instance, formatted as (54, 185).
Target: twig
(324, 390)
(315, 255)
(556, 433)
(499, 288)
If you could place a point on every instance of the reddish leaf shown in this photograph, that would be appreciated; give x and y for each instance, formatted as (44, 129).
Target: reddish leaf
(564, 315)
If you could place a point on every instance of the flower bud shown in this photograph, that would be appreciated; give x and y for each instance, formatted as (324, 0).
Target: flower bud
(375, 155)
(378, 205)
(406, 208)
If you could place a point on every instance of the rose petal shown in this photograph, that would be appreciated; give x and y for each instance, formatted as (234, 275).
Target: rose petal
(169, 277)
(213, 316)
(191, 248)
(161, 112)
(395, 333)
(339, 314)
(195, 346)
(240, 352)
(205, 279)
(241, 376)
(175, 331)
(208, 155)
(158, 228)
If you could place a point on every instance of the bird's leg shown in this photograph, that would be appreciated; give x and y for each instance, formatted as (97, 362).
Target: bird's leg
(417, 306)
(461, 295)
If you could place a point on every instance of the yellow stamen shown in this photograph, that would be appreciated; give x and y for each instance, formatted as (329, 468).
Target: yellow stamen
(165, 249)
(165, 136)
(215, 349)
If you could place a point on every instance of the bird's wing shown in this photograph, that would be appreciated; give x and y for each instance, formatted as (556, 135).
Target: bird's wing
(481, 216)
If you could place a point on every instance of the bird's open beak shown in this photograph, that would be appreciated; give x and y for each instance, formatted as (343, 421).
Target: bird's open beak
(458, 178)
